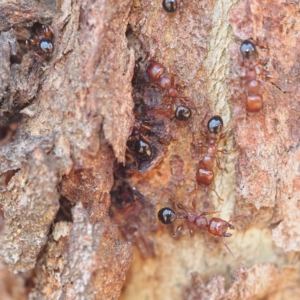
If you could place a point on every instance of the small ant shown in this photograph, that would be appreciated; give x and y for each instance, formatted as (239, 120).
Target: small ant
(157, 72)
(205, 173)
(214, 226)
(171, 5)
(42, 41)
(142, 144)
(148, 139)
(254, 101)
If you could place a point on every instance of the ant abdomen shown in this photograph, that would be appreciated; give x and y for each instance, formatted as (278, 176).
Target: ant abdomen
(204, 177)
(155, 70)
(254, 103)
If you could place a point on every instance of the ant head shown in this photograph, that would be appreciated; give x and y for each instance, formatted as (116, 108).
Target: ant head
(215, 124)
(46, 46)
(169, 5)
(182, 113)
(143, 149)
(166, 215)
(248, 49)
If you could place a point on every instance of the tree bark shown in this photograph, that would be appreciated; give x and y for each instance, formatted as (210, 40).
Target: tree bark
(59, 236)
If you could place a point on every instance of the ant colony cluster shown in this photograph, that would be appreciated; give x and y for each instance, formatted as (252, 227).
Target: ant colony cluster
(159, 106)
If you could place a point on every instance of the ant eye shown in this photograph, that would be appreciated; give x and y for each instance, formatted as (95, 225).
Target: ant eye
(143, 149)
(215, 124)
(46, 46)
(183, 113)
(248, 49)
(166, 215)
(169, 5)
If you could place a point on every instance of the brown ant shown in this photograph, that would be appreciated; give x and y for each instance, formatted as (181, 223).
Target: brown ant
(205, 173)
(254, 100)
(148, 139)
(214, 226)
(170, 6)
(42, 41)
(157, 72)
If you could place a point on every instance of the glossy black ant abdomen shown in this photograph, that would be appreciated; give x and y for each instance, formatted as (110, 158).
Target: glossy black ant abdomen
(170, 5)
(215, 124)
(248, 49)
(182, 113)
(143, 149)
(166, 215)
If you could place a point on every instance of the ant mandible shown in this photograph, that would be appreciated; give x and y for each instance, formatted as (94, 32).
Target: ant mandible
(205, 173)
(214, 226)
(254, 100)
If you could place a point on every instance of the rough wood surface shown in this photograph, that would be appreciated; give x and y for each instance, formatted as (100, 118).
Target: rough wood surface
(57, 239)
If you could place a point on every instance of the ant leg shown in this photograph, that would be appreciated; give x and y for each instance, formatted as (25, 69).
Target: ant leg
(194, 180)
(205, 213)
(222, 136)
(47, 32)
(39, 56)
(192, 233)
(147, 127)
(235, 217)
(219, 165)
(194, 202)
(216, 193)
(145, 139)
(178, 229)
(224, 151)
(180, 206)
(226, 245)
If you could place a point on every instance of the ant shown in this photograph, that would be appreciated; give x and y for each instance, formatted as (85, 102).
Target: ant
(148, 139)
(142, 144)
(42, 41)
(171, 5)
(157, 72)
(254, 101)
(214, 226)
(205, 173)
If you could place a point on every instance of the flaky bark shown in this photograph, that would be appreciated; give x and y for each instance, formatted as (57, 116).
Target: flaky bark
(57, 240)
